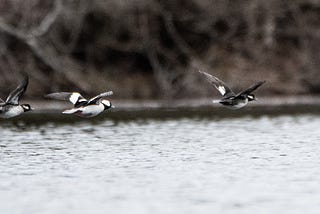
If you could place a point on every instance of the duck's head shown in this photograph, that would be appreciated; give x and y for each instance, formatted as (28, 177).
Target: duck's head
(26, 107)
(107, 104)
(251, 97)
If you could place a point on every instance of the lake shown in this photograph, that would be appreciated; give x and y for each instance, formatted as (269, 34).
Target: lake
(161, 161)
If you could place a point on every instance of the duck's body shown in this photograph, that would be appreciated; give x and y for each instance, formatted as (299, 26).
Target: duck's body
(234, 102)
(11, 107)
(9, 111)
(86, 111)
(83, 107)
(229, 98)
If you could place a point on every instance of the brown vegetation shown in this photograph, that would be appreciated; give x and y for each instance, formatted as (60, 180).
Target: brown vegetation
(150, 48)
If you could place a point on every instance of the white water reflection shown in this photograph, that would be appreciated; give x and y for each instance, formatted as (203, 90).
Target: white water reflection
(242, 165)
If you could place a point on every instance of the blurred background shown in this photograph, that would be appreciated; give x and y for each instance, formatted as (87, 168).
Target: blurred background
(150, 49)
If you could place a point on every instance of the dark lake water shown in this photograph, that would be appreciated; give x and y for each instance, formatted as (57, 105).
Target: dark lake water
(196, 163)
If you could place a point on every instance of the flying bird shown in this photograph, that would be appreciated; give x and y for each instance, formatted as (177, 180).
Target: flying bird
(83, 107)
(229, 98)
(11, 107)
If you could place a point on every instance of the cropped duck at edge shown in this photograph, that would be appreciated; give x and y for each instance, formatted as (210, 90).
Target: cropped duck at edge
(11, 107)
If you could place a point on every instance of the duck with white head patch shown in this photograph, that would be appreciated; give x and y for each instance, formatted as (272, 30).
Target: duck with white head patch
(83, 107)
(229, 98)
(11, 107)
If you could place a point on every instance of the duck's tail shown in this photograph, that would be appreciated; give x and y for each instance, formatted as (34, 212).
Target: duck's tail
(70, 111)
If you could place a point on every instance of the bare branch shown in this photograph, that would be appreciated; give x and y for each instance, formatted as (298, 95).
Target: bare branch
(160, 74)
(47, 54)
(48, 21)
(174, 34)
(5, 28)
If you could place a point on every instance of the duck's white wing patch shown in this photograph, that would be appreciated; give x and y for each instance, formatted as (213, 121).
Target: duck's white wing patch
(222, 90)
(73, 97)
(218, 84)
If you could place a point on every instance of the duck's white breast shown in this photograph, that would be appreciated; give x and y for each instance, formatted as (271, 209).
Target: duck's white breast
(92, 110)
(12, 112)
(240, 104)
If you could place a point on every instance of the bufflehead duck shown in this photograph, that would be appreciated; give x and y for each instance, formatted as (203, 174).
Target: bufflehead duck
(10, 107)
(82, 106)
(229, 98)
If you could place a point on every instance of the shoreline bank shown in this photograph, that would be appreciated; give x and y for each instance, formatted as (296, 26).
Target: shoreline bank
(53, 106)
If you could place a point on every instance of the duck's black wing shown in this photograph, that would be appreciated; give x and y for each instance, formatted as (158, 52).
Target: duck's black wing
(74, 97)
(251, 88)
(94, 100)
(224, 90)
(15, 95)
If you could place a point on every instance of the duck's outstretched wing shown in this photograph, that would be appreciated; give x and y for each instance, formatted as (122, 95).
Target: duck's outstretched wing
(252, 88)
(74, 97)
(224, 90)
(15, 95)
(1, 101)
(98, 97)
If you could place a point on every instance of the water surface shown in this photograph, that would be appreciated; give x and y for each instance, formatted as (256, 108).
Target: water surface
(261, 164)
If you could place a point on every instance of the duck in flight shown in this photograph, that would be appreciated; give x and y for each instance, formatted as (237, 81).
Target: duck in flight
(11, 107)
(229, 98)
(83, 107)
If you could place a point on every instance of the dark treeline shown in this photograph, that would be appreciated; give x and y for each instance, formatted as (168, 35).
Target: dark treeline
(150, 48)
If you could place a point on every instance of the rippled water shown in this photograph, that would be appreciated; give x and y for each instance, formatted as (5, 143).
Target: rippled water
(248, 164)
